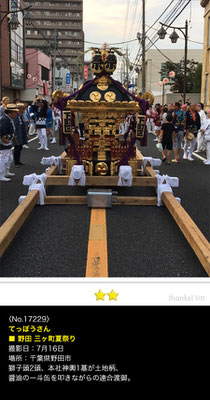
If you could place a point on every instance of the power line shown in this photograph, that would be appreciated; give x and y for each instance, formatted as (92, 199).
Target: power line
(112, 44)
(168, 17)
(137, 27)
(133, 18)
(160, 16)
(153, 44)
(126, 19)
(188, 2)
(172, 15)
(138, 56)
(156, 37)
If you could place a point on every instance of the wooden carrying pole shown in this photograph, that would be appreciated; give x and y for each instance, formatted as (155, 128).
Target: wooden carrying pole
(194, 236)
(102, 181)
(13, 224)
(120, 201)
(192, 233)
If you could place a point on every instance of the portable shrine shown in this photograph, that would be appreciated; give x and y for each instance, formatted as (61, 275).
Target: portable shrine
(110, 118)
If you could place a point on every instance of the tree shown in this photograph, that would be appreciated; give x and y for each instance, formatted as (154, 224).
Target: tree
(194, 76)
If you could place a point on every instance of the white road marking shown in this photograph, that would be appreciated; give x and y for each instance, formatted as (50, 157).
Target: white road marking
(200, 158)
(31, 140)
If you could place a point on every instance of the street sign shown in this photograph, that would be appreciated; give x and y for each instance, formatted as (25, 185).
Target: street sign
(68, 87)
(85, 71)
(68, 79)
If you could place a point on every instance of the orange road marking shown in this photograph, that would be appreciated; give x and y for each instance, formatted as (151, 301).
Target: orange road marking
(97, 257)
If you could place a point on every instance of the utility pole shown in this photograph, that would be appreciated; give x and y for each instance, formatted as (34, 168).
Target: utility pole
(127, 68)
(54, 60)
(143, 48)
(185, 60)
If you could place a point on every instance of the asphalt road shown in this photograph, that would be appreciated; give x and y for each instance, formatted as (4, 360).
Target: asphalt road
(142, 241)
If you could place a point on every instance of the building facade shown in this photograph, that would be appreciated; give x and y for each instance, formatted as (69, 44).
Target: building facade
(38, 76)
(12, 56)
(57, 30)
(205, 90)
(154, 62)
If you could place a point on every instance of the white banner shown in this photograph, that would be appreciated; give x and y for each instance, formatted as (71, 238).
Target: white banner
(109, 291)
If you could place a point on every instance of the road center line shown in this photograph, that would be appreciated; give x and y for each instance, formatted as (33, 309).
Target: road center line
(97, 256)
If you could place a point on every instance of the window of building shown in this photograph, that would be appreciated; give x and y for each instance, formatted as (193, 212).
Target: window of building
(45, 73)
(58, 81)
(209, 31)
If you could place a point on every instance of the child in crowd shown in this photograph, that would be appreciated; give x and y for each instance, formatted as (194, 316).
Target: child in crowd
(157, 122)
(166, 137)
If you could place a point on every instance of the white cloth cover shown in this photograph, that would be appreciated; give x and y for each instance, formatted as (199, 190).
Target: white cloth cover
(165, 187)
(34, 178)
(125, 176)
(21, 198)
(42, 192)
(154, 162)
(53, 161)
(29, 179)
(32, 181)
(77, 177)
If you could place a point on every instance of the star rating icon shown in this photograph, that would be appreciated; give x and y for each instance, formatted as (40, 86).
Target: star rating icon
(112, 295)
(100, 295)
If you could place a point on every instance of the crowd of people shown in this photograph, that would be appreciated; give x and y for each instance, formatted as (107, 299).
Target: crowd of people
(177, 127)
(18, 121)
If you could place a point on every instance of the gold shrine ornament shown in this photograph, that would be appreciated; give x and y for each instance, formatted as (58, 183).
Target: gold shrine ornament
(102, 86)
(103, 83)
(101, 169)
(95, 96)
(110, 96)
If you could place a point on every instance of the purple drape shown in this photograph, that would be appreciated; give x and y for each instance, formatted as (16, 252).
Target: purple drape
(142, 103)
(74, 149)
(62, 101)
(125, 159)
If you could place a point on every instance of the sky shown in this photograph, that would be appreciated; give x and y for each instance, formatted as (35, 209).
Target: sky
(105, 21)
